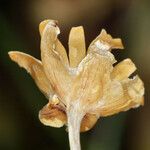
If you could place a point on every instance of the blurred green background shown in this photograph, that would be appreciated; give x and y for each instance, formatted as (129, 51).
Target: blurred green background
(20, 99)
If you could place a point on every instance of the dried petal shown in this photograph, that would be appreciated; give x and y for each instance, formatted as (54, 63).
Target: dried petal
(59, 47)
(55, 70)
(77, 49)
(123, 69)
(53, 115)
(35, 68)
(122, 96)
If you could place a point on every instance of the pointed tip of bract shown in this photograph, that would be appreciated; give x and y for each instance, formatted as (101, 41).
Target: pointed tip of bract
(12, 55)
(103, 32)
(43, 24)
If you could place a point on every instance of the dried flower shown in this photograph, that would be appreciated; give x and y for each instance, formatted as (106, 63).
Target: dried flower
(85, 87)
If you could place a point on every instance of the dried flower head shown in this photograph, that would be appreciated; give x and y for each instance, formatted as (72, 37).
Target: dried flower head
(84, 87)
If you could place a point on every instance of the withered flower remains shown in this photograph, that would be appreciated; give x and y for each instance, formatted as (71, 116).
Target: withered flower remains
(84, 87)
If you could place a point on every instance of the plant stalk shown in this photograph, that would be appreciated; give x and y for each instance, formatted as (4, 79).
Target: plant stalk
(74, 123)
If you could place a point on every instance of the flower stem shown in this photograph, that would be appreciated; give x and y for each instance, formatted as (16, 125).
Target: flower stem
(74, 122)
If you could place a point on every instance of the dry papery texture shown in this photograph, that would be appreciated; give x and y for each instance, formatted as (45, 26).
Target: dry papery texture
(84, 87)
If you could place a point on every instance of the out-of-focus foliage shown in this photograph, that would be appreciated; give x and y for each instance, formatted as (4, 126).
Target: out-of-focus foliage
(20, 99)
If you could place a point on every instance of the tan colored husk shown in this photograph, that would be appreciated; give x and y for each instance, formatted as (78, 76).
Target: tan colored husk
(85, 87)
